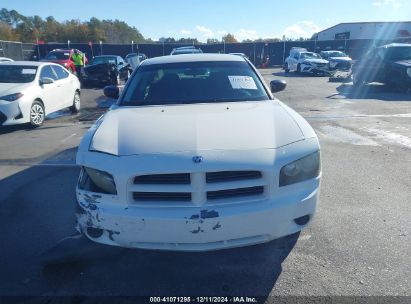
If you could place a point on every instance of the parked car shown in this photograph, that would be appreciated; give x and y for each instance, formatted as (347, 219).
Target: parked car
(389, 64)
(134, 59)
(5, 59)
(303, 61)
(107, 69)
(186, 50)
(197, 155)
(63, 57)
(338, 60)
(31, 90)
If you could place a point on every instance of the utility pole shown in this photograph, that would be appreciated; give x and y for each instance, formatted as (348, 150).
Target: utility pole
(132, 48)
(101, 47)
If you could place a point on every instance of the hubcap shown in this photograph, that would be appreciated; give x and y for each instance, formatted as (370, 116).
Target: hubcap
(37, 114)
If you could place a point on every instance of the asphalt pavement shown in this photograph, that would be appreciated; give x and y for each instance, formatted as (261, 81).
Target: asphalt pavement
(358, 244)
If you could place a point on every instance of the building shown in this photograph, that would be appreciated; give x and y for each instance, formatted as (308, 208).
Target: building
(367, 30)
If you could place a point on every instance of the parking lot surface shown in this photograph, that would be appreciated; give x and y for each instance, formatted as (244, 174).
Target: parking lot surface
(358, 244)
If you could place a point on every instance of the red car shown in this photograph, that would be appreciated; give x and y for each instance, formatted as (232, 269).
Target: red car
(62, 57)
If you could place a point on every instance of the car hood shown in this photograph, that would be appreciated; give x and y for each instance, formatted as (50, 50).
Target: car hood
(340, 59)
(11, 88)
(185, 128)
(55, 61)
(316, 60)
(98, 67)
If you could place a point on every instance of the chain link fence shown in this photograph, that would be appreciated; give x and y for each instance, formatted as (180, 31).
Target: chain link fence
(257, 52)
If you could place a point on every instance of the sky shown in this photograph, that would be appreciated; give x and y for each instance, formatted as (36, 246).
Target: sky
(203, 19)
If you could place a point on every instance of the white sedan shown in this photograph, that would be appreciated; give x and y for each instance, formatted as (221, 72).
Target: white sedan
(197, 155)
(31, 90)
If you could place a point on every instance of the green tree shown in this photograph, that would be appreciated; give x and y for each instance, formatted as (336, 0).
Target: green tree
(229, 38)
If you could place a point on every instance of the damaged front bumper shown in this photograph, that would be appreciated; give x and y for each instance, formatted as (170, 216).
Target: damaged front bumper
(194, 228)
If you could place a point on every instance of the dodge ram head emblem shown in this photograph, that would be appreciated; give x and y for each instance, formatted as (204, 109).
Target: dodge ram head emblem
(198, 159)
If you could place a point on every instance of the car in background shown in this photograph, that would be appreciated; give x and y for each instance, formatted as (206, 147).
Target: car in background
(240, 54)
(134, 59)
(63, 57)
(338, 60)
(301, 60)
(29, 91)
(5, 59)
(186, 50)
(106, 69)
(389, 64)
(197, 155)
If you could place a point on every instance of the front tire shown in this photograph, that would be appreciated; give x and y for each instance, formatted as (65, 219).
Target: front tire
(286, 68)
(115, 79)
(75, 108)
(299, 69)
(37, 114)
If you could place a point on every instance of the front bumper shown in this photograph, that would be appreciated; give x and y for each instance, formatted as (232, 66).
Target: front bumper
(316, 70)
(11, 114)
(196, 228)
(118, 220)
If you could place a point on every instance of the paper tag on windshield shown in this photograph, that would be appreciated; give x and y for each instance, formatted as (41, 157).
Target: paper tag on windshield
(28, 71)
(242, 82)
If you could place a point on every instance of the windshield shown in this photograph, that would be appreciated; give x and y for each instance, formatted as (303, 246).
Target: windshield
(194, 82)
(60, 55)
(399, 53)
(310, 56)
(103, 59)
(17, 73)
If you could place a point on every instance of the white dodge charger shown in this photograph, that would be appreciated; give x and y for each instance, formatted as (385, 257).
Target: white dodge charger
(197, 155)
(31, 90)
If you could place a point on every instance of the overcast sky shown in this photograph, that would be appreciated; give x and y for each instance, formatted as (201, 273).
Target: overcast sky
(203, 19)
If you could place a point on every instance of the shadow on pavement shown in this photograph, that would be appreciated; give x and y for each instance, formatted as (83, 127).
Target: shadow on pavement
(370, 91)
(44, 255)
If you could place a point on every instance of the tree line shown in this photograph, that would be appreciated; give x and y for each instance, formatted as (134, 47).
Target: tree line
(16, 27)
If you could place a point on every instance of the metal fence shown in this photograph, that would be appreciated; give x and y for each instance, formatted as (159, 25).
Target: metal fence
(18, 50)
(257, 52)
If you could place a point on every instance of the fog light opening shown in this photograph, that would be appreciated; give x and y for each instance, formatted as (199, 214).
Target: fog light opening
(94, 233)
(302, 221)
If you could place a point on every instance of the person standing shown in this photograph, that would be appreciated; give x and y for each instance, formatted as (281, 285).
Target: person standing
(78, 59)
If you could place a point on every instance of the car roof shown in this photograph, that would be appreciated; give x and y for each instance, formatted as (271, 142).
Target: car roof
(193, 58)
(29, 63)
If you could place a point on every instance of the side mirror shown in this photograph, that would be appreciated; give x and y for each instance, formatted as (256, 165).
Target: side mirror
(112, 92)
(46, 80)
(278, 86)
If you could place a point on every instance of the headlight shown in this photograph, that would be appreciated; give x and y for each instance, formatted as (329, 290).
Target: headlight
(97, 181)
(303, 169)
(409, 72)
(12, 97)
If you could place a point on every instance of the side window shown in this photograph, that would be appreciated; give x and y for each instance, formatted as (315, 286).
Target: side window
(296, 56)
(61, 74)
(47, 71)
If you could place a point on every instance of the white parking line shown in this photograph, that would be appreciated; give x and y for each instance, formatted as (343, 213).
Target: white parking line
(68, 137)
(390, 137)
